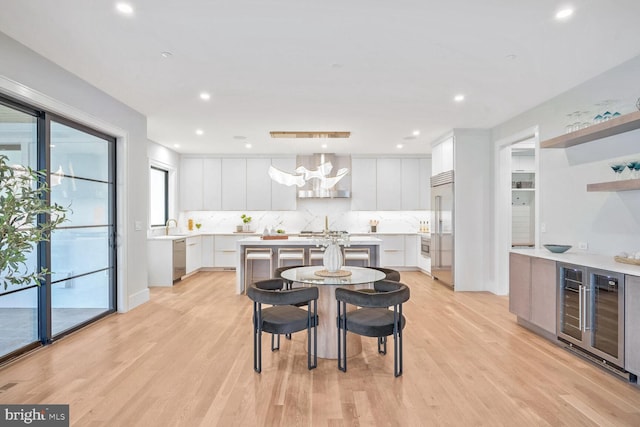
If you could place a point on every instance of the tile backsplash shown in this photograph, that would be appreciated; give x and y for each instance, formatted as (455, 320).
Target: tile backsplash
(310, 215)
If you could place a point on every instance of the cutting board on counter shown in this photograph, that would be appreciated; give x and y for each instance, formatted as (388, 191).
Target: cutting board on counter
(274, 237)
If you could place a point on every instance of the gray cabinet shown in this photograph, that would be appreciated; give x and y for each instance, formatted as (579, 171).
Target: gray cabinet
(211, 185)
(234, 184)
(632, 324)
(424, 176)
(532, 290)
(520, 285)
(389, 179)
(363, 184)
(258, 191)
(191, 184)
(543, 294)
(410, 188)
(283, 198)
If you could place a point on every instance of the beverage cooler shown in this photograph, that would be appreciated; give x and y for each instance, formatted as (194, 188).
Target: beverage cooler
(591, 311)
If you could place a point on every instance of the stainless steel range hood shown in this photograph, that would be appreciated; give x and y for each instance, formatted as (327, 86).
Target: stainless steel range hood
(323, 183)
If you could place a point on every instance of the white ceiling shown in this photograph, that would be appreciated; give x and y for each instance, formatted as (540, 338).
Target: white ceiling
(380, 69)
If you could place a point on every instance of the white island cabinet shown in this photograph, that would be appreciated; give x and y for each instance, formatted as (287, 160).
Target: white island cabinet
(372, 243)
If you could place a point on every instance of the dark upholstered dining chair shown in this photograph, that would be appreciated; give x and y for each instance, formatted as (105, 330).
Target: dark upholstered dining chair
(373, 318)
(390, 274)
(283, 317)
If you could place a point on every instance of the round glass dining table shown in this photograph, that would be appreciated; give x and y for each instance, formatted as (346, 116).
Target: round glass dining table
(360, 277)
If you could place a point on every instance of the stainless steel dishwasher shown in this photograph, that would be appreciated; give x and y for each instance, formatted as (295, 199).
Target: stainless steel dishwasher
(179, 258)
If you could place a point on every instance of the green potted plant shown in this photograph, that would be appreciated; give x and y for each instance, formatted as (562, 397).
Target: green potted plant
(246, 220)
(23, 201)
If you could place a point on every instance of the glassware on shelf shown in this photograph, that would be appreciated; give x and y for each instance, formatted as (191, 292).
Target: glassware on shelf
(585, 119)
(634, 168)
(618, 168)
(569, 127)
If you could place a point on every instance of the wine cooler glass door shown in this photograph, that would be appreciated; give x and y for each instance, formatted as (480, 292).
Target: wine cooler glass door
(606, 323)
(572, 305)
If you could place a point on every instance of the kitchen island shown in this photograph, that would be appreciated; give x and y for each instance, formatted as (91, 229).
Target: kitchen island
(371, 243)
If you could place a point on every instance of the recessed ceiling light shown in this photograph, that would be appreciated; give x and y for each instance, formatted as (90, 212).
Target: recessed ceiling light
(458, 98)
(205, 96)
(399, 146)
(511, 57)
(166, 54)
(52, 145)
(176, 145)
(247, 145)
(416, 132)
(324, 145)
(199, 132)
(563, 14)
(124, 8)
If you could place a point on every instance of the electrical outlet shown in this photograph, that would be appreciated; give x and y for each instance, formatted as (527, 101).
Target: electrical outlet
(137, 225)
(543, 227)
(583, 245)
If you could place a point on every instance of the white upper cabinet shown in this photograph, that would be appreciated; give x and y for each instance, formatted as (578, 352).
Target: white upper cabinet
(191, 184)
(389, 178)
(234, 184)
(410, 184)
(363, 184)
(283, 198)
(212, 185)
(424, 176)
(442, 156)
(258, 185)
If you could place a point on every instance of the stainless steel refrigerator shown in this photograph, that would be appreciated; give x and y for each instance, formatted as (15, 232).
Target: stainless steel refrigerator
(442, 227)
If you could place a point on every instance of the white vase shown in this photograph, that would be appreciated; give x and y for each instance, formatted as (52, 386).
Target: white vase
(246, 227)
(332, 258)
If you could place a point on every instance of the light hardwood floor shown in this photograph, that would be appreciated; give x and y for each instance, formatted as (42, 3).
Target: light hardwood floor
(185, 359)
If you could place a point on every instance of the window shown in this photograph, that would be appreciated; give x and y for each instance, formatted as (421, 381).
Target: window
(159, 196)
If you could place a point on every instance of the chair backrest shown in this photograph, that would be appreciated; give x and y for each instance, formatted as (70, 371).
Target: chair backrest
(275, 284)
(387, 293)
(262, 293)
(390, 274)
(278, 271)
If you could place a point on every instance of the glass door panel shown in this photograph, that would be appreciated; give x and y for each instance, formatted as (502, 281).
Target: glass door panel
(82, 259)
(605, 314)
(570, 302)
(18, 304)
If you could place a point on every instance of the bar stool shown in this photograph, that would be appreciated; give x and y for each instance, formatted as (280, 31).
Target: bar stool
(290, 254)
(357, 254)
(315, 254)
(252, 255)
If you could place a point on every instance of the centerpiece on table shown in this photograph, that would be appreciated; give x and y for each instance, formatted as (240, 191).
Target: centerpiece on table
(332, 259)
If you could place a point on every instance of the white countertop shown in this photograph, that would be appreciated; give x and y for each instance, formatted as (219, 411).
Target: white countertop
(292, 236)
(603, 262)
(304, 241)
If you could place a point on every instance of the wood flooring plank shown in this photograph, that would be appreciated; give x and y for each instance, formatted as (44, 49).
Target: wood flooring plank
(186, 359)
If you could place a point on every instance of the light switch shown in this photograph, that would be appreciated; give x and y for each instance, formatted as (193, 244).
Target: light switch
(138, 225)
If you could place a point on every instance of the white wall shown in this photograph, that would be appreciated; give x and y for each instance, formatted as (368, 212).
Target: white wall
(26, 76)
(608, 222)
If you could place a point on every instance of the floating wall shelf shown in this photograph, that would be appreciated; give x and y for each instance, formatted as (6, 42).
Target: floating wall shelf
(625, 123)
(624, 185)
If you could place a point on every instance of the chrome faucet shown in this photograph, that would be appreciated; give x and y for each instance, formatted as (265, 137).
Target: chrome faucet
(166, 226)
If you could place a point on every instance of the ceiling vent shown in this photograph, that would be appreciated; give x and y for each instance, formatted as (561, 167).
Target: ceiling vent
(310, 134)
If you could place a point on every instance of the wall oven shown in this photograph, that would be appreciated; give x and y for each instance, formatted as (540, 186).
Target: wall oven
(591, 312)
(425, 246)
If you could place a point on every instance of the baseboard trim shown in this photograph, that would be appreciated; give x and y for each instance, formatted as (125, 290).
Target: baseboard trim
(139, 298)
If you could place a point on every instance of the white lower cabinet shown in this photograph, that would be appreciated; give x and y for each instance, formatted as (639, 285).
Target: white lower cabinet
(392, 250)
(225, 255)
(194, 253)
(208, 249)
(411, 251)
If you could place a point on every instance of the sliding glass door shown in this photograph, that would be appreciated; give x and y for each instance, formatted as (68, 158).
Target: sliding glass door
(18, 304)
(82, 261)
(80, 165)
